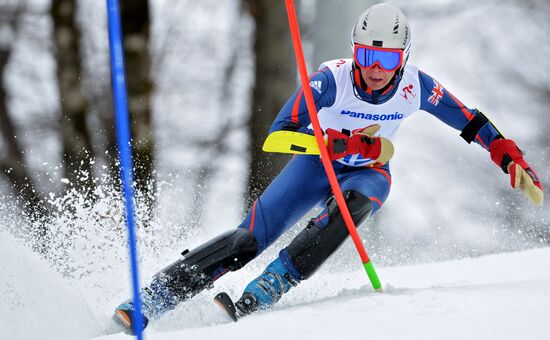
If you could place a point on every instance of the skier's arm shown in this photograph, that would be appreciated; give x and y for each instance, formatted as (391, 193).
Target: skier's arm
(475, 126)
(294, 115)
(438, 101)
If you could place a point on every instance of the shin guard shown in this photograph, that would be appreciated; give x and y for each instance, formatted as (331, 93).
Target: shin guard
(199, 269)
(313, 245)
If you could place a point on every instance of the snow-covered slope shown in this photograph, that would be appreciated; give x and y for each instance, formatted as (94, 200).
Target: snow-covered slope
(35, 301)
(504, 296)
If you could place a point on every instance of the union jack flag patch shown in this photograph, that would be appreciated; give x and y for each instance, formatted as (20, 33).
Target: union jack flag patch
(316, 85)
(437, 93)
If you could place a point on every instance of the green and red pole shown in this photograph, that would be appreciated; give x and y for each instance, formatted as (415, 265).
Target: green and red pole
(300, 60)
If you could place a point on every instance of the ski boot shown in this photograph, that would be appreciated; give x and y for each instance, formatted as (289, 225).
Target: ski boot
(155, 301)
(189, 276)
(265, 290)
(261, 293)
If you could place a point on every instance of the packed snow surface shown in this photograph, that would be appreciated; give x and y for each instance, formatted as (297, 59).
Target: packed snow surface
(503, 296)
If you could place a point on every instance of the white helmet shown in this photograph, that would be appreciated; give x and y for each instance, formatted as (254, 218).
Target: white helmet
(383, 25)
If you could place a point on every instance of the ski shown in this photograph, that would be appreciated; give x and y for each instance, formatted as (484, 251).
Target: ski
(114, 325)
(121, 321)
(226, 304)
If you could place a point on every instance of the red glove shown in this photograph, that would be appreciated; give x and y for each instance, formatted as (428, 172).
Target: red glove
(362, 142)
(506, 154)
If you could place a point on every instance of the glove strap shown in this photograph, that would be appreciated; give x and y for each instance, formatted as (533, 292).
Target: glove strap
(337, 144)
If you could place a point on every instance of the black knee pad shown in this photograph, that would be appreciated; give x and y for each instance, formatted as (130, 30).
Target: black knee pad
(313, 245)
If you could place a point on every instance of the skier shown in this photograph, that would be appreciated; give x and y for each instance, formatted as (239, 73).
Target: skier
(359, 100)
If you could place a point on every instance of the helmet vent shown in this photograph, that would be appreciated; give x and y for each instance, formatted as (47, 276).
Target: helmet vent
(396, 25)
(364, 27)
(377, 43)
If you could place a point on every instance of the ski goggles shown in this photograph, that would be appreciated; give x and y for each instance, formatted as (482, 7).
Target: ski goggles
(389, 59)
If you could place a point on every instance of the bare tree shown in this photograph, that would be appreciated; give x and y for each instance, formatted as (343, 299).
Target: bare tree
(136, 21)
(275, 81)
(12, 161)
(135, 17)
(73, 106)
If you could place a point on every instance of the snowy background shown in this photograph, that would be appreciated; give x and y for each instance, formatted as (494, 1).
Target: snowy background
(448, 203)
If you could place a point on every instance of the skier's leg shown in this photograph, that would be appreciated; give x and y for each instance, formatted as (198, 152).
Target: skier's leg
(197, 270)
(299, 187)
(364, 193)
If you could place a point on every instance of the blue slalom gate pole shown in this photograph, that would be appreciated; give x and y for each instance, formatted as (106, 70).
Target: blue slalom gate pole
(122, 126)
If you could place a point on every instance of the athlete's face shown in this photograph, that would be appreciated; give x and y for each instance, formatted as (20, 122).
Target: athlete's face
(375, 77)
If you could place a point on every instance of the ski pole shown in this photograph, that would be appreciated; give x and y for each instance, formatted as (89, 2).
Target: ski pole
(300, 60)
(118, 79)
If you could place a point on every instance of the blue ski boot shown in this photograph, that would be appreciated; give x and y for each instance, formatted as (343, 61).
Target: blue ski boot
(265, 290)
(155, 301)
